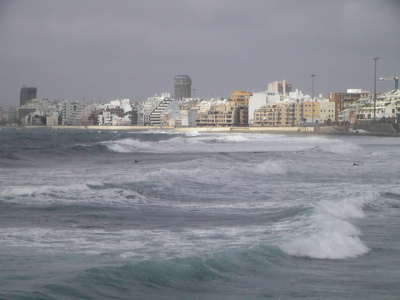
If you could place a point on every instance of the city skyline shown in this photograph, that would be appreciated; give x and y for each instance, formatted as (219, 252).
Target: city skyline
(108, 50)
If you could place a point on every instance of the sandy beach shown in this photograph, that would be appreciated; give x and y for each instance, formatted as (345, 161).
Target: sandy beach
(332, 130)
(194, 129)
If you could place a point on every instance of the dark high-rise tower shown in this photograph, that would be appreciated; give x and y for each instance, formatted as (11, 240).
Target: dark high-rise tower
(26, 94)
(182, 87)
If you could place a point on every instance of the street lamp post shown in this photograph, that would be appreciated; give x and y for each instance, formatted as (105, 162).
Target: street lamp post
(375, 58)
(312, 97)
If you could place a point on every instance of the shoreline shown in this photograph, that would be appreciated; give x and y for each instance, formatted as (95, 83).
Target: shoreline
(317, 130)
(295, 129)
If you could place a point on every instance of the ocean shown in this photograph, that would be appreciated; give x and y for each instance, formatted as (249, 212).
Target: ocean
(153, 214)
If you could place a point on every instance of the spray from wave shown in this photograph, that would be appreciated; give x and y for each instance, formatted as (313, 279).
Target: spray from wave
(325, 230)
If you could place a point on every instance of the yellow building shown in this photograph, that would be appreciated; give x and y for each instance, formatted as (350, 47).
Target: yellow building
(327, 112)
(241, 97)
(279, 114)
(241, 100)
(226, 114)
(311, 111)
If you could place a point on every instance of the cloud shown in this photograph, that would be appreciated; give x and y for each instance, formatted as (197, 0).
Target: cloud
(112, 49)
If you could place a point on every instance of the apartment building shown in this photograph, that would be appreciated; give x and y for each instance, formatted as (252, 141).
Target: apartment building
(150, 112)
(241, 100)
(311, 111)
(327, 112)
(279, 114)
(344, 100)
(281, 87)
(387, 108)
(226, 114)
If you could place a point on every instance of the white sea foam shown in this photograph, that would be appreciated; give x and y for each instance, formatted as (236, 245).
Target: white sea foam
(192, 133)
(195, 142)
(41, 189)
(142, 244)
(326, 232)
(378, 154)
(338, 147)
(129, 145)
(268, 167)
(326, 245)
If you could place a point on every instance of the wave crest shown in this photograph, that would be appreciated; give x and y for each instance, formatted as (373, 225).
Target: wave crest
(326, 232)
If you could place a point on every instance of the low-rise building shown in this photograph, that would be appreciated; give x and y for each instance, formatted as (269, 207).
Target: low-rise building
(8, 115)
(35, 111)
(52, 120)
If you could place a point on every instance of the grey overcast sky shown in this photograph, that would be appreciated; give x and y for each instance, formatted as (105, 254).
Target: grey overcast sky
(101, 50)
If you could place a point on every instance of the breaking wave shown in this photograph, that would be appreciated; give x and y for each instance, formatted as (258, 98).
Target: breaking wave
(325, 231)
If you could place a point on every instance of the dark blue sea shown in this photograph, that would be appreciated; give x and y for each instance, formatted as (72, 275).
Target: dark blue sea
(161, 215)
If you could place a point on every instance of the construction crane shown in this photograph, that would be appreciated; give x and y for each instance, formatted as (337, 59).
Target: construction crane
(395, 78)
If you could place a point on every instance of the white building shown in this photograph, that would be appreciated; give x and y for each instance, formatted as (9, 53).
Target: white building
(36, 111)
(188, 118)
(52, 120)
(387, 108)
(150, 111)
(258, 100)
(105, 118)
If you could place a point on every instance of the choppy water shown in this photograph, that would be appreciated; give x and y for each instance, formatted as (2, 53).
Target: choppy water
(198, 216)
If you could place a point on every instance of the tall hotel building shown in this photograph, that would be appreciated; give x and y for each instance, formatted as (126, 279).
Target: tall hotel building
(26, 94)
(182, 87)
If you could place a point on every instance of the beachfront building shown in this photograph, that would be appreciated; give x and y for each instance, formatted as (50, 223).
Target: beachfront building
(104, 118)
(118, 107)
(294, 110)
(187, 118)
(35, 111)
(327, 111)
(119, 113)
(153, 110)
(67, 108)
(188, 111)
(241, 100)
(80, 114)
(279, 114)
(261, 99)
(348, 115)
(53, 120)
(241, 97)
(318, 110)
(345, 100)
(8, 115)
(387, 108)
(132, 114)
(225, 113)
(170, 114)
(310, 111)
